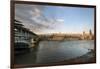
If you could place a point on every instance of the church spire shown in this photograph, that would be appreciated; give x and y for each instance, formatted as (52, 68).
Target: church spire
(90, 32)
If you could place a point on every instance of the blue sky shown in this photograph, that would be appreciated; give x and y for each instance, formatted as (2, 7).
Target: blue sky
(55, 19)
(73, 19)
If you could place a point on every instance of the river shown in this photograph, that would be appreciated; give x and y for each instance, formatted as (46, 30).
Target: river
(55, 51)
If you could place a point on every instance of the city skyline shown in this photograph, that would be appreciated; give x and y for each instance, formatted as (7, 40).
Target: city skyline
(52, 19)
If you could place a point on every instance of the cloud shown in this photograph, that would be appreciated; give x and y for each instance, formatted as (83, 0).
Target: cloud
(60, 20)
(31, 16)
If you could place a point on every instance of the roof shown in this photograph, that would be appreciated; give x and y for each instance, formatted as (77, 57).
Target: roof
(19, 25)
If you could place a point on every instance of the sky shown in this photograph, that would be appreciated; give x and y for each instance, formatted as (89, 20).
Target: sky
(55, 19)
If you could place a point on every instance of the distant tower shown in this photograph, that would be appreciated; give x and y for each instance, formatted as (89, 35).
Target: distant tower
(90, 34)
(83, 35)
(83, 32)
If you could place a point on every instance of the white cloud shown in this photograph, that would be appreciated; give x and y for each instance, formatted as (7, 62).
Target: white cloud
(60, 20)
(32, 17)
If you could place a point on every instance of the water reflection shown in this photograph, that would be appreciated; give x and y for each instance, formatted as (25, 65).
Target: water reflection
(55, 51)
(26, 58)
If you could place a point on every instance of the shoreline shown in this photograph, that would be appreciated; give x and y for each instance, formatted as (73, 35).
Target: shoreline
(86, 58)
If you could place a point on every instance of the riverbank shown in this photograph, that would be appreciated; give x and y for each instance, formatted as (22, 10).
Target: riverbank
(86, 58)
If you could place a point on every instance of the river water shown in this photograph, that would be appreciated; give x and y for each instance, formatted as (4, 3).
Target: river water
(55, 51)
